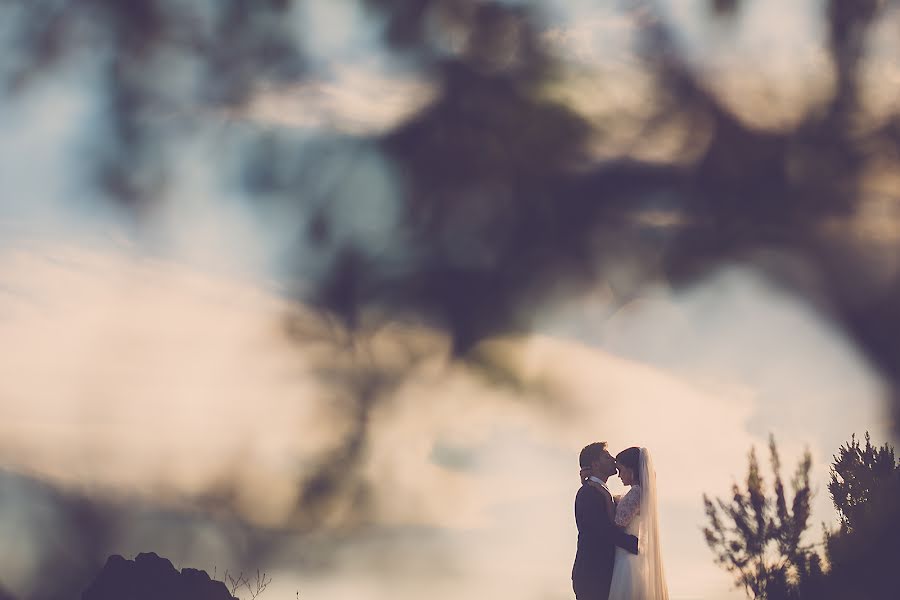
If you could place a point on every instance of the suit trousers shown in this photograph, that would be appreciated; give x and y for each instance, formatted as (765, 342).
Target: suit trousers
(591, 589)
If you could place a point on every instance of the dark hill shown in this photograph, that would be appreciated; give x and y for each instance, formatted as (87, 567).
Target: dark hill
(150, 577)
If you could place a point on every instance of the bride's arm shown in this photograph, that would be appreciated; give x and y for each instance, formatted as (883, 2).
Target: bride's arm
(629, 506)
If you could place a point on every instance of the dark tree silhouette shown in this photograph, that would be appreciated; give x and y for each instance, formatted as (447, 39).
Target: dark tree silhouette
(757, 536)
(864, 551)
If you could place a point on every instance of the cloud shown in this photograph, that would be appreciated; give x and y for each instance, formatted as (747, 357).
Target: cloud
(147, 359)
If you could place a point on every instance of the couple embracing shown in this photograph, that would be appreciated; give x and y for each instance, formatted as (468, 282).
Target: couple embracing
(618, 555)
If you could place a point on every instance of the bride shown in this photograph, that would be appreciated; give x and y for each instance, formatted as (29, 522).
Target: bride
(638, 577)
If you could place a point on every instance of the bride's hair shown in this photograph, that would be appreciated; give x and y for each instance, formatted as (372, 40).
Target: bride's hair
(631, 458)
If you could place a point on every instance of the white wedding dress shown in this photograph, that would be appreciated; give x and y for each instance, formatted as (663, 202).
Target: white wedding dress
(640, 577)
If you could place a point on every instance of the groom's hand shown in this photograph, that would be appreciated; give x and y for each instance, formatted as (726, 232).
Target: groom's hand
(632, 545)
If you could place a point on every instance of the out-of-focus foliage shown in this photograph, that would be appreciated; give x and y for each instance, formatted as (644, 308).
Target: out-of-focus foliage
(498, 203)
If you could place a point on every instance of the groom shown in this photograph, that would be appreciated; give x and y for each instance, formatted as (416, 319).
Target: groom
(597, 534)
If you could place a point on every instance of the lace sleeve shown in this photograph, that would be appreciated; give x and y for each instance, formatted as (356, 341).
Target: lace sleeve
(629, 507)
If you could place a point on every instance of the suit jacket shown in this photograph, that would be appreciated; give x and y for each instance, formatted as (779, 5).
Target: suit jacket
(598, 537)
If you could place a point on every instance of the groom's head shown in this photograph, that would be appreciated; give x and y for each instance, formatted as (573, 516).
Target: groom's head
(598, 459)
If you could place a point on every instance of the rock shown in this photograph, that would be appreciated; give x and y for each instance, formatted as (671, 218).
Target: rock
(151, 577)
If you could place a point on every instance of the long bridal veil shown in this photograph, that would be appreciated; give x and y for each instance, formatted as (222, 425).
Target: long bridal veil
(648, 538)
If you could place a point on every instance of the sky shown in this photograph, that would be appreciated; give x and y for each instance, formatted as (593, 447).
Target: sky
(152, 378)
(159, 371)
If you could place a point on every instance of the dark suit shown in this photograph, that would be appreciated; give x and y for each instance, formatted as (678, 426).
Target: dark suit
(598, 537)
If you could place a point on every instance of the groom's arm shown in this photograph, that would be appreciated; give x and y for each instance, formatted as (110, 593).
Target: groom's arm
(591, 513)
(627, 542)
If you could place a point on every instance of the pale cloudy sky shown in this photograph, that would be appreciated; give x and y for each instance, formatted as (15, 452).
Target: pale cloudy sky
(180, 379)
(476, 480)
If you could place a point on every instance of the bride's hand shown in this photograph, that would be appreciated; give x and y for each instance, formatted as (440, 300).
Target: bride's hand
(584, 474)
